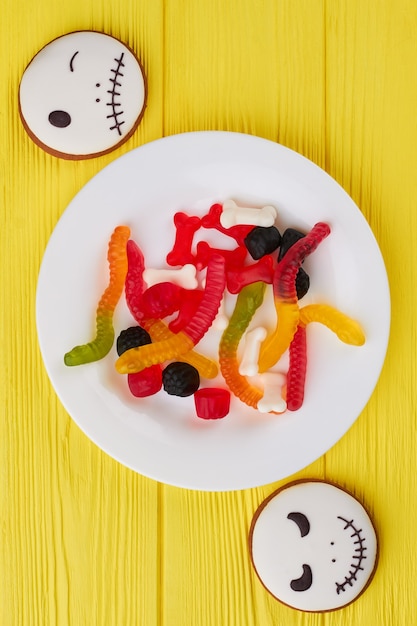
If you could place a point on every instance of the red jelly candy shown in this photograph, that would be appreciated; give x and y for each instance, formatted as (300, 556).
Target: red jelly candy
(188, 307)
(262, 270)
(145, 383)
(212, 403)
(233, 258)
(186, 227)
(212, 220)
(161, 300)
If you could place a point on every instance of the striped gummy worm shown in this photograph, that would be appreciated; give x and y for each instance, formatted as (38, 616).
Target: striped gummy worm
(210, 302)
(297, 368)
(248, 301)
(134, 285)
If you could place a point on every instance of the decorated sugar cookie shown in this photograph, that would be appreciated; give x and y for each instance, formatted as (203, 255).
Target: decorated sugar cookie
(82, 95)
(313, 546)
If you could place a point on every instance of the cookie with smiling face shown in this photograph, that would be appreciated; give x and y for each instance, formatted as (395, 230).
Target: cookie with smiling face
(82, 95)
(313, 546)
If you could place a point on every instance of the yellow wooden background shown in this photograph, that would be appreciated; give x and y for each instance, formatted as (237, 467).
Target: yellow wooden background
(85, 541)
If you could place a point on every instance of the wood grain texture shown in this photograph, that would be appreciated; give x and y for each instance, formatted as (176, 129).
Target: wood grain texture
(83, 539)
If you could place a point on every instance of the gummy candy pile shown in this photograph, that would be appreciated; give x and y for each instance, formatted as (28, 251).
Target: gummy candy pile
(173, 308)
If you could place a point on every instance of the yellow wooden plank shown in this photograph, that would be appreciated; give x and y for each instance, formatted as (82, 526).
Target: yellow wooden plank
(247, 67)
(372, 138)
(79, 538)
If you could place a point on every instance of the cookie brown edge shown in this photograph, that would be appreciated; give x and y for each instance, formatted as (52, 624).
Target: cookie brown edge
(266, 501)
(81, 157)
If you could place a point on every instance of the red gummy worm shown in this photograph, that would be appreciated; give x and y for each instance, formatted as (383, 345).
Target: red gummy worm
(134, 285)
(186, 227)
(297, 369)
(212, 220)
(210, 302)
(262, 270)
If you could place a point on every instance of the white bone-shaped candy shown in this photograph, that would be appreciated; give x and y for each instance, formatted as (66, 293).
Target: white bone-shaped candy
(272, 400)
(249, 363)
(233, 215)
(185, 276)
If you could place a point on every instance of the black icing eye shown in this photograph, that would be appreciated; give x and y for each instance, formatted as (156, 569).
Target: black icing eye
(60, 119)
(302, 522)
(304, 582)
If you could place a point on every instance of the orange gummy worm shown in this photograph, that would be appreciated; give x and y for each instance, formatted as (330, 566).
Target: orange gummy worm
(103, 341)
(248, 301)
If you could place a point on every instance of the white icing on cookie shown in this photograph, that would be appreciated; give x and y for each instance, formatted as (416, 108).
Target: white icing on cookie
(313, 546)
(83, 94)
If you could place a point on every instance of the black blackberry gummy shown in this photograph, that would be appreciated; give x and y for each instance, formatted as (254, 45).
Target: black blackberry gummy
(288, 239)
(262, 240)
(180, 379)
(132, 337)
(302, 283)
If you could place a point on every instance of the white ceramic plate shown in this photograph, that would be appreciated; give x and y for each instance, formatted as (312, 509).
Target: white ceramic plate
(160, 436)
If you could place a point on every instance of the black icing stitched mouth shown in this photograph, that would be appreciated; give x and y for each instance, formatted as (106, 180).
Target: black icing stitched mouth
(360, 556)
(115, 114)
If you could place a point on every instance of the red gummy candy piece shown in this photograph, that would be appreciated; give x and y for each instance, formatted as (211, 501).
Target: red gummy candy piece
(212, 403)
(189, 305)
(186, 226)
(212, 220)
(161, 300)
(145, 383)
(262, 270)
(233, 258)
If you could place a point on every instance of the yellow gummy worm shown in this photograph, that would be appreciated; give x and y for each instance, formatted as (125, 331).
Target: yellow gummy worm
(278, 342)
(137, 359)
(348, 330)
(207, 368)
